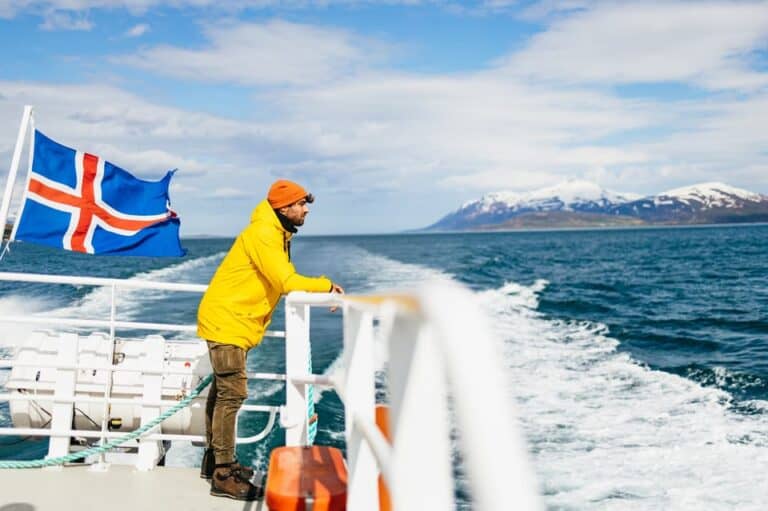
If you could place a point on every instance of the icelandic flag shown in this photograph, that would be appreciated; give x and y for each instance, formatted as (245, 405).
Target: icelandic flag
(78, 201)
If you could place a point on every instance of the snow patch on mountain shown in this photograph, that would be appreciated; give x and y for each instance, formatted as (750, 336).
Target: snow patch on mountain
(559, 197)
(709, 195)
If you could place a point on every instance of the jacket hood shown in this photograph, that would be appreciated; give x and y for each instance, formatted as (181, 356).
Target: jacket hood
(263, 212)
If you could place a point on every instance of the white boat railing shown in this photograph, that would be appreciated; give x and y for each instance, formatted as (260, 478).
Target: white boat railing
(437, 343)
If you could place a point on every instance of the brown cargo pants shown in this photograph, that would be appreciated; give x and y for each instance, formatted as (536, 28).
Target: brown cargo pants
(227, 393)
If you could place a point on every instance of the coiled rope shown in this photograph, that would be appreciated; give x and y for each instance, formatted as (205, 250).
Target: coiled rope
(50, 462)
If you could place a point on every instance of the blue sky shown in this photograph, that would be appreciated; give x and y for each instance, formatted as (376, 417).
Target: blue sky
(393, 113)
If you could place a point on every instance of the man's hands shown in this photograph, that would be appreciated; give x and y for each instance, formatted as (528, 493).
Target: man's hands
(335, 288)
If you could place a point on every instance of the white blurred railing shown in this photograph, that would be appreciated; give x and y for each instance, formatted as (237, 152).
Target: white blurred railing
(438, 343)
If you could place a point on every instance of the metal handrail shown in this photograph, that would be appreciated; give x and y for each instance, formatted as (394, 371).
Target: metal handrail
(128, 325)
(101, 282)
(10, 364)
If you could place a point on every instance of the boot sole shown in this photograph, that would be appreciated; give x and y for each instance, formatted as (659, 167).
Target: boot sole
(233, 497)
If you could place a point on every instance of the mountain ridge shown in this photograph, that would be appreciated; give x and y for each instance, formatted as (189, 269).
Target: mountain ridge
(583, 203)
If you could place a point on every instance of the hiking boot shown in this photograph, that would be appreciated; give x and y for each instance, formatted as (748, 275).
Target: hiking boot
(228, 482)
(243, 471)
(209, 465)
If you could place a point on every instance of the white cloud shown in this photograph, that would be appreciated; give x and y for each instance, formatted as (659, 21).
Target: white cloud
(501, 179)
(548, 8)
(11, 8)
(58, 20)
(704, 43)
(476, 123)
(230, 193)
(151, 164)
(146, 139)
(137, 30)
(275, 52)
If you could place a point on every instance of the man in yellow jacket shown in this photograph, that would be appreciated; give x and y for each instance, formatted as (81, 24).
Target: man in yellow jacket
(233, 316)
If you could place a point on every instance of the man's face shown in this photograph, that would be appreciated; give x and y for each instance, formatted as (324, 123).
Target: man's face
(296, 212)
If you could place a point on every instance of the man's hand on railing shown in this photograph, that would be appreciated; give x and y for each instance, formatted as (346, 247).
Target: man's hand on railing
(335, 288)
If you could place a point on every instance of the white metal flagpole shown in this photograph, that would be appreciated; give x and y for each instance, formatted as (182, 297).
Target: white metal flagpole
(20, 210)
(9, 184)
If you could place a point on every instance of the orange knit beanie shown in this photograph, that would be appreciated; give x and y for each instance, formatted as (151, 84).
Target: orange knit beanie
(284, 193)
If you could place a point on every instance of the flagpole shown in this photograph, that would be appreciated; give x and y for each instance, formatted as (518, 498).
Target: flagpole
(9, 184)
(20, 209)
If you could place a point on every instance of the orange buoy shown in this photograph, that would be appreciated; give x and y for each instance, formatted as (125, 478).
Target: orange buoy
(314, 475)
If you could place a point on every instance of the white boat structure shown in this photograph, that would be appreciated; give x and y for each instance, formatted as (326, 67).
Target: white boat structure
(80, 383)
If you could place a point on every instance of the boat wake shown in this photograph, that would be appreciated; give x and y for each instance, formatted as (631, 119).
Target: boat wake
(607, 432)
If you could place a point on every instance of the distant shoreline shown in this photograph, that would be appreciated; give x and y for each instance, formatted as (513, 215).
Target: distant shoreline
(595, 228)
(494, 231)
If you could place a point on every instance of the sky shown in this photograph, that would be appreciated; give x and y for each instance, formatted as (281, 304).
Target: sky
(392, 113)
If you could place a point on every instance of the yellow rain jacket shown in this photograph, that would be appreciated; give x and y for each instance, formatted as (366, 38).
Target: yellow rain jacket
(238, 305)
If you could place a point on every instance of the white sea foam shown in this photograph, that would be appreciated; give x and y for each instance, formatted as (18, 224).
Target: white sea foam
(609, 433)
(131, 302)
(18, 306)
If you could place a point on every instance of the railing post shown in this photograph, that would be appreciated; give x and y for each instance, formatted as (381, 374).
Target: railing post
(359, 400)
(421, 461)
(494, 451)
(63, 395)
(297, 352)
(150, 451)
(102, 463)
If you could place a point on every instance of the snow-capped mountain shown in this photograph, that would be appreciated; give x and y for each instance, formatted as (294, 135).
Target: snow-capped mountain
(568, 195)
(712, 195)
(584, 203)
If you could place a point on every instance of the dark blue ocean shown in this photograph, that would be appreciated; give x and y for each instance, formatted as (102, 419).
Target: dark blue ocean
(637, 359)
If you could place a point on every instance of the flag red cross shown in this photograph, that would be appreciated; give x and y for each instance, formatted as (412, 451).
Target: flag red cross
(86, 207)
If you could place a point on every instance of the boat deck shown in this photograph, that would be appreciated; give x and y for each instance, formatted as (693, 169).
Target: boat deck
(117, 489)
